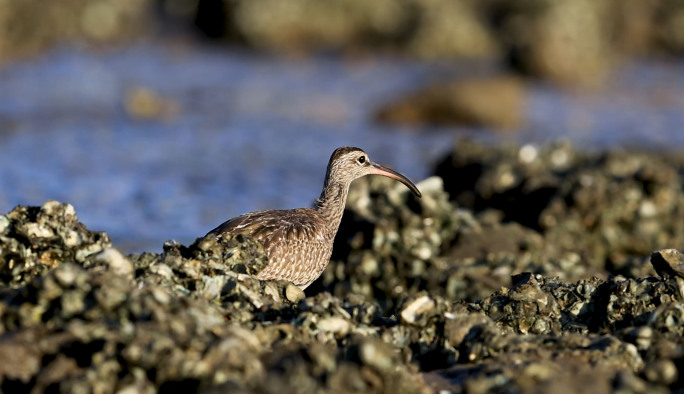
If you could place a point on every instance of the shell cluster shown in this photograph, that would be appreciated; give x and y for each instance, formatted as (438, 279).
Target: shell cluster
(469, 289)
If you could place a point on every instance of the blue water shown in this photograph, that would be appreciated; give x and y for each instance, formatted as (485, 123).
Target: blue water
(255, 132)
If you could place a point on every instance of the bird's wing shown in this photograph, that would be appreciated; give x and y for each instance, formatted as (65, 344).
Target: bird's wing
(243, 224)
(296, 242)
(296, 225)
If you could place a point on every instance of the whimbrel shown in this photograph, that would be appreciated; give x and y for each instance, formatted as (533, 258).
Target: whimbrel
(298, 242)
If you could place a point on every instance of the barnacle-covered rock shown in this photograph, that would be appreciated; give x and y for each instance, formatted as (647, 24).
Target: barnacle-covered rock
(391, 244)
(417, 310)
(668, 263)
(422, 295)
(35, 239)
(606, 209)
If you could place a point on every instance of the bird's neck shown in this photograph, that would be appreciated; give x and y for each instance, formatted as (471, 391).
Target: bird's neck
(331, 203)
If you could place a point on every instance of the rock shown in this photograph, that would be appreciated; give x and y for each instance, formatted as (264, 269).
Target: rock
(143, 103)
(566, 43)
(35, 230)
(293, 293)
(37, 239)
(496, 102)
(662, 371)
(336, 325)
(4, 224)
(19, 356)
(585, 205)
(378, 355)
(397, 310)
(116, 262)
(668, 263)
(416, 310)
(29, 27)
(440, 29)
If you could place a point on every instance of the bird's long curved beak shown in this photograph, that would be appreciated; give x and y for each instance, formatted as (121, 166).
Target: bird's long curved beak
(377, 169)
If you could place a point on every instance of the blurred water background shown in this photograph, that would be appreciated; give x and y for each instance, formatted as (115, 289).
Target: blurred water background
(164, 137)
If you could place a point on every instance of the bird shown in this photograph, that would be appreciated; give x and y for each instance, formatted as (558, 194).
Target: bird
(298, 242)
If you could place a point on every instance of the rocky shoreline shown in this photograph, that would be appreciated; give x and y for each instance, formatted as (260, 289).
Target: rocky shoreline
(522, 269)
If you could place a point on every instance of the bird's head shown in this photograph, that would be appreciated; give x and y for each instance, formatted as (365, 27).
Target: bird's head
(348, 163)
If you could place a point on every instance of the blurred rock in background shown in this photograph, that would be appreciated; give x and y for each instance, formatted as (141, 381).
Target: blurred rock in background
(565, 42)
(28, 27)
(573, 44)
(483, 102)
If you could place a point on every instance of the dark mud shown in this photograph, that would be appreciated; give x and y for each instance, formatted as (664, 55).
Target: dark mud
(532, 274)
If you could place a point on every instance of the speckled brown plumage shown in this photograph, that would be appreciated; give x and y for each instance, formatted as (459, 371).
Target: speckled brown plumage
(299, 242)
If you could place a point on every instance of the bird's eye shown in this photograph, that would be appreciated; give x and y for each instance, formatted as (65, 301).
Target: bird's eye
(361, 159)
